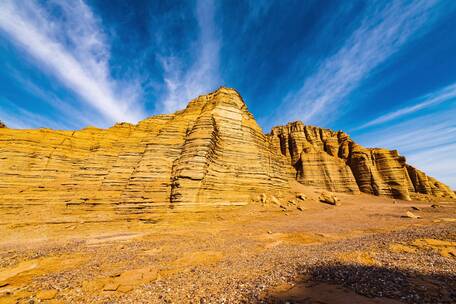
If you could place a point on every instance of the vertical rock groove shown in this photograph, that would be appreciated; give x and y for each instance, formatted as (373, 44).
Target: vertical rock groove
(332, 161)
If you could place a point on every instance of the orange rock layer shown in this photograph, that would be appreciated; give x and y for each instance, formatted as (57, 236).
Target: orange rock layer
(212, 153)
(331, 160)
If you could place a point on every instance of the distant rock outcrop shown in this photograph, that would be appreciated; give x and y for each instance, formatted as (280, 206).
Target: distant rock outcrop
(332, 161)
(2, 125)
(212, 153)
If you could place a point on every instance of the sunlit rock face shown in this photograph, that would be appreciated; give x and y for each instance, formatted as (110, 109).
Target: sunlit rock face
(212, 153)
(314, 153)
(332, 161)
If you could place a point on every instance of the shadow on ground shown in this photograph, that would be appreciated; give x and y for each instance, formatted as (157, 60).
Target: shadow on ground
(351, 284)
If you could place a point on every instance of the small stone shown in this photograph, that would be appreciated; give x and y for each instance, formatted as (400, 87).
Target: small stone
(408, 214)
(301, 196)
(263, 198)
(300, 208)
(329, 198)
(275, 200)
(416, 208)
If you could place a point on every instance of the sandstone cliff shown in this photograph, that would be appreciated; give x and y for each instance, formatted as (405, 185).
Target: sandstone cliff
(332, 161)
(212, 153)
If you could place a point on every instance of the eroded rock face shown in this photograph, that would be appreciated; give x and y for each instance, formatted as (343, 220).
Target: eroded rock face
(332, 161)
(314, 153)
(212, 153)
(225, 156)
(427, 185)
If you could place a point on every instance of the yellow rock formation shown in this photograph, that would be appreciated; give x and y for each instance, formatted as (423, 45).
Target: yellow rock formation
(332, 161)
(212, 153)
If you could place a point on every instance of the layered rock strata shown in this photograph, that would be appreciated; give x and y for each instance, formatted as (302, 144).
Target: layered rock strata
(332, 161)
(212, 153)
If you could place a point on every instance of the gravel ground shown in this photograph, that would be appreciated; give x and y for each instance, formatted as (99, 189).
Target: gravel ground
(252, 266)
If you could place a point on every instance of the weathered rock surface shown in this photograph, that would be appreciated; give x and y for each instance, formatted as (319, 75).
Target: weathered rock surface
(332, 161)
(212, 153)
(427, 185)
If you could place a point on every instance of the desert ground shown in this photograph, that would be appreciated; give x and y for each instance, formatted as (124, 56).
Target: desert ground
(364, 251)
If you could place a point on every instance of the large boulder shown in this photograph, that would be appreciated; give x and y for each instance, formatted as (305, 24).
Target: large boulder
(329, 198)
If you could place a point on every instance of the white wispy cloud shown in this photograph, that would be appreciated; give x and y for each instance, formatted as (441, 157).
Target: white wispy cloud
(19, 118)
(73, 116)
(72, 47)
(203, 75)
(428, 142)
(427, 101)
(438, 162)
(385, 27)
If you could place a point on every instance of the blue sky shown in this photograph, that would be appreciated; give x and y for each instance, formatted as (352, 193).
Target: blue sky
(383, 71)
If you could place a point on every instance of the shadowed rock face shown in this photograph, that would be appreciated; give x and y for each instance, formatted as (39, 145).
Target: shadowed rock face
(331, 160)
(212, 153)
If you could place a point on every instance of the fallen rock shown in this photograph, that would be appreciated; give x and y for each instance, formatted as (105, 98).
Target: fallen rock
(263, 198)
(301, 196)
(329, 198)
(48, 294)
(300, 208)
(275, 200)
(408, 214)
(416, 208)
(435, 206)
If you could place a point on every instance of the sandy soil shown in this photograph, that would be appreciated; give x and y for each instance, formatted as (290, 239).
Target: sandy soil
(363, 251)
